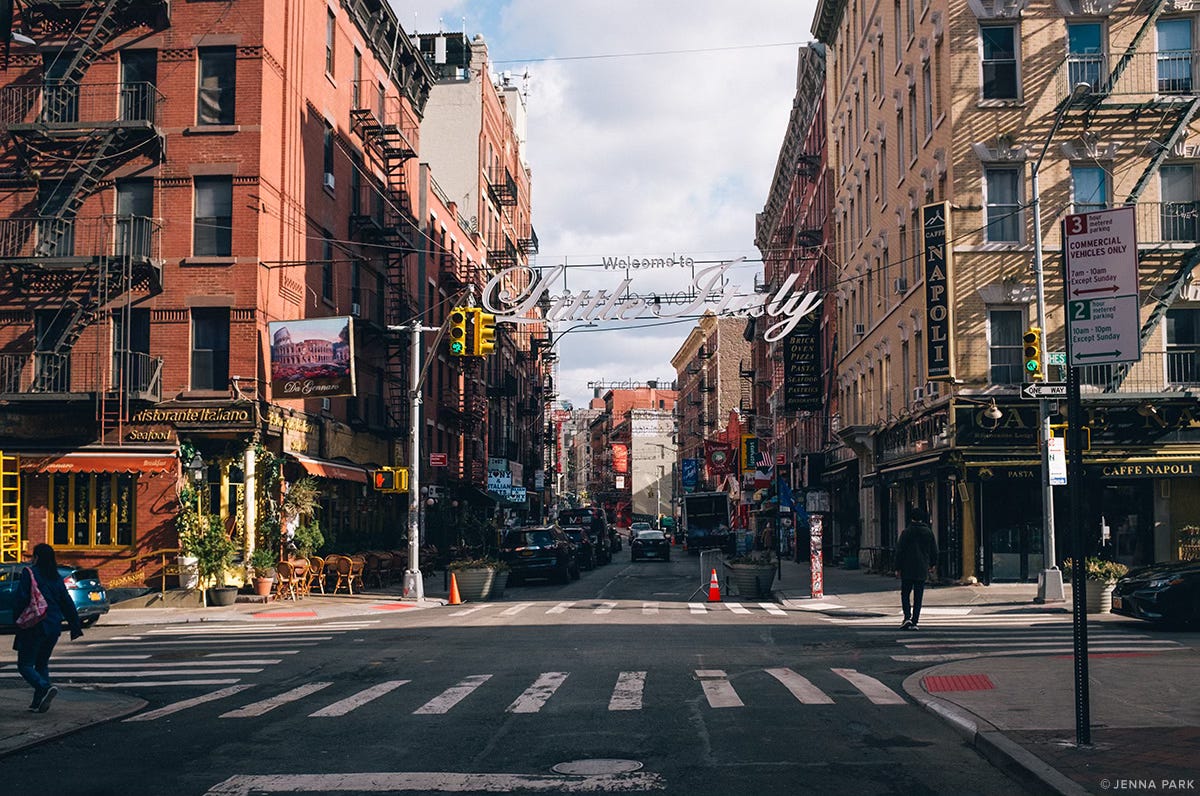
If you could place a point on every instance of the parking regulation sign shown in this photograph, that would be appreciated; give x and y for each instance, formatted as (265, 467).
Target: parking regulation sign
(1103, 320)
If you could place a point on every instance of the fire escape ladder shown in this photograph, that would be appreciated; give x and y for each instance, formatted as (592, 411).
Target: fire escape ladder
(1177, 132)
(54, 231)
(1162, 303)
(1155, 10)
(104, 26)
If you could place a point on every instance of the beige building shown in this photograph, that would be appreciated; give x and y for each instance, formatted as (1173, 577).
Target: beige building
(931, 102)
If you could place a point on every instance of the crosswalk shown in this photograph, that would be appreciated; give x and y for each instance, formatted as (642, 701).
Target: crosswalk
(617, 610)
(718, 688)
(221, 654)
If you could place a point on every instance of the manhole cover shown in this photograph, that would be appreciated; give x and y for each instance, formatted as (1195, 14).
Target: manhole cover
(587, 768)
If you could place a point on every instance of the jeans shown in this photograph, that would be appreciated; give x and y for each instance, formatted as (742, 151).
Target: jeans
(915, 588)
(33, 660)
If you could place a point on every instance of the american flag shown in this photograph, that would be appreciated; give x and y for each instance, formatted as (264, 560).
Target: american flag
(765, 459)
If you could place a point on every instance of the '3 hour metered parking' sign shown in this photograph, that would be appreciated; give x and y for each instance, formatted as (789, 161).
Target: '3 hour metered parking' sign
(1102, 287)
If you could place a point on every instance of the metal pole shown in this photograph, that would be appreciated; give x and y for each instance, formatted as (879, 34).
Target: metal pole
(414, 584)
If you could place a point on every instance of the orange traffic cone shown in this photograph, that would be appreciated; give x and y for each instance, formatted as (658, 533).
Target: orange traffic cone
(456, 600)
(714, 589)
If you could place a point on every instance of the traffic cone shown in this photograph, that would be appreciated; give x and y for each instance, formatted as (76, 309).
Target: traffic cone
(454, 598)
(714, 589)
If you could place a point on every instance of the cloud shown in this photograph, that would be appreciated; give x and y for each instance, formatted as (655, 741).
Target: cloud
(642, 155)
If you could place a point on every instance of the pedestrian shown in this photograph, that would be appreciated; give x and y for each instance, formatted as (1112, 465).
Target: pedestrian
(768, 537)
(35, 643)
(916, 558)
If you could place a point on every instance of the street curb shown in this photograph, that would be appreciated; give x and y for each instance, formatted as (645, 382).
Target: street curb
(992, 744)
(131, 705)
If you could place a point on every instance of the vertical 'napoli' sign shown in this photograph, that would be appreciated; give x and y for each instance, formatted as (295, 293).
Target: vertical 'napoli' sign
(939, 298)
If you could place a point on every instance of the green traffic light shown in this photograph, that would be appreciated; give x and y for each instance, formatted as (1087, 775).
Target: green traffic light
(456, 347)
(1031, 366)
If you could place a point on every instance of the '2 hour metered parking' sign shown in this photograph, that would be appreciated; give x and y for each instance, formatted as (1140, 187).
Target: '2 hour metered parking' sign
(1103, 321)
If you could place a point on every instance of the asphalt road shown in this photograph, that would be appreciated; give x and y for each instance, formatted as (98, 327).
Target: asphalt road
(613, 675)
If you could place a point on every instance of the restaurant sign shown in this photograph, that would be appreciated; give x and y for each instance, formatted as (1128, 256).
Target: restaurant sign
(802, 366)
(939, 294)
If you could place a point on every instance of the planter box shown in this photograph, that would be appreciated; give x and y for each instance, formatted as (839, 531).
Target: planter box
(222, 595)
(480, 584)
(1099, 597)
(751, 580)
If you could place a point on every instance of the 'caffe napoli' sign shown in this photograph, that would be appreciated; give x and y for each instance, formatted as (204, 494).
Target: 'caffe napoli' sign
(786, 306)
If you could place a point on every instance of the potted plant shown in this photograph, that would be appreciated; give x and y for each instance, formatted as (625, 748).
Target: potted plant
(308, 537)
(213, 550)
(479, 578)
(188, 525)
(263, 561)
(753, 573)
(1101, 576)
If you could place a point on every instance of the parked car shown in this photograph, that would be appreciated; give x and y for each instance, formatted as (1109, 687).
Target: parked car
(649, 544)
(594, 520)
(585, 547)
(84, 586)
(1165, 592)
(542, 551)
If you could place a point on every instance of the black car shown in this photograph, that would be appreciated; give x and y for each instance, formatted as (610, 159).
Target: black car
(585, 548)
(541, 551)
(88, 594)
(1165, 592)
(650, 544)
(594, 520)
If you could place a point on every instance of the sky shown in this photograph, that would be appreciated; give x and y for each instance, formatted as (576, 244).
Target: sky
(639, 148)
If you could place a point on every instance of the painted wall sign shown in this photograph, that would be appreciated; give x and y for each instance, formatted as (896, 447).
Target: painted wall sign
(712, 293)
(802, 366)
(312, 357)
(939, 293)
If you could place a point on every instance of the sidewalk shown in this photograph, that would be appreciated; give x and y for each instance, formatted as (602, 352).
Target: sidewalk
(1019, 711)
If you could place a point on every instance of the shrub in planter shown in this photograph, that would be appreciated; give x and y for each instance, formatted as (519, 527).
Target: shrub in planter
(1096, 569)
(213, 550)
(479, 578)
(753, 573)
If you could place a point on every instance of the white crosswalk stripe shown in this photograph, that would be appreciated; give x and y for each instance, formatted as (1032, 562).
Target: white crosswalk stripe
(697, 608)
(772, 609)
(516, 609)
(605, 608)
(561, 608)
(737, 608)
(649, 609)
(627, 694)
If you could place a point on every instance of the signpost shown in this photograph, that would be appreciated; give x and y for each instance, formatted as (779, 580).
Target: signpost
(437, 460)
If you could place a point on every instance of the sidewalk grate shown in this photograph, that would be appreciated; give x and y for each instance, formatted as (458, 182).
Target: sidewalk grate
(957, 682)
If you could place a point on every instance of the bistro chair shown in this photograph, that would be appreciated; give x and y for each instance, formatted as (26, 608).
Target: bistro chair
(301, 574)
(343, 573)
(285, 580)
(358, 562)
(316, 574)
(371, 569)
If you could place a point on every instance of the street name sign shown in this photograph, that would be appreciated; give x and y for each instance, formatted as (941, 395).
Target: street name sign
(1036, 390)
(1103, 323)
(1056, 358)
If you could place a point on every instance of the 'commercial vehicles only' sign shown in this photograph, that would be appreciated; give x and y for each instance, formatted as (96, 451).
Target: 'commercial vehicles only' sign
(1102, 287)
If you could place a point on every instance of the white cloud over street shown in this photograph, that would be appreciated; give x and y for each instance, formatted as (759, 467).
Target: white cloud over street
(654, 128)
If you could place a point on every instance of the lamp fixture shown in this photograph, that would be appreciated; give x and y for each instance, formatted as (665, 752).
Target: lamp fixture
(1147, 409)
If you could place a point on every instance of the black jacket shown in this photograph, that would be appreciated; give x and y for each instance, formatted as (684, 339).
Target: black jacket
(59, 608)
(916, 551)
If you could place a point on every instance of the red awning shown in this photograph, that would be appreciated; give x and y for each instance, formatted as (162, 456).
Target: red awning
(100, 462)
(324, 468)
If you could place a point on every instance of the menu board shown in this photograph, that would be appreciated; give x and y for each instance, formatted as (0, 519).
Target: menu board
(802, 366)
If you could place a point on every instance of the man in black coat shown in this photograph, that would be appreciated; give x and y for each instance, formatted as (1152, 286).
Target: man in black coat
(916, 558)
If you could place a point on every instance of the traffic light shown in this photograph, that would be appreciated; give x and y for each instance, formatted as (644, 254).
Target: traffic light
(1034, 354)
(401, 479)
(459, 343)
(485, 333)
(384, 480)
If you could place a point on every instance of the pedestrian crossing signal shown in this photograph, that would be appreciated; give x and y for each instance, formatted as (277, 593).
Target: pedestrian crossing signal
(390, 479)
(485, 333)
(1033, 354)
(459, 342)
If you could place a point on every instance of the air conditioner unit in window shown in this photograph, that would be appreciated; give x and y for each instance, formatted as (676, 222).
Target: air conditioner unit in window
(860, 329)
(325, 405)
(901, 284)
(918, 394)
(356, 309)
(931, 389)
(330, 182)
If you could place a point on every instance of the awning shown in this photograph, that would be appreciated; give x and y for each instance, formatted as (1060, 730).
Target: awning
(323, 468)
(100, 462)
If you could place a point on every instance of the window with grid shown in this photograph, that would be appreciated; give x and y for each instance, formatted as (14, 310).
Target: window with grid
(1089, 188)
(210, 348)
(327, 268)
(1001, 80)
(330, 35)
(92, 509)
(1183, 346)
(1005, 349)
(1179, 206)
(1004, 216)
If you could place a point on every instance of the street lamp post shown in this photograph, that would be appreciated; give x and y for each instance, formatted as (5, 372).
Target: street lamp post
(1050, 583)
(549, 484)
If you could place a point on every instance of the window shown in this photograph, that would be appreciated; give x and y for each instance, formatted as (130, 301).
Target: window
(330, 32)
(60, 97)
(355, 88)
(327, 268)
(51, 368)
(1004, 218)
(135, 214)
(210, 348)
(912, 18)
(56, 227)
(912, 122)
(927, 88)
(1178, 214)
(900, 164)
(356, 202)
(896, 15)
(1183, 346)
(215, 98)
(1089, 185)
(212, 227)
(131, 349)
(1005, 349)
(139, 74)
(1085, 58)
(1174, 56)
(92, 509)
(1000, 79)
(327, 152)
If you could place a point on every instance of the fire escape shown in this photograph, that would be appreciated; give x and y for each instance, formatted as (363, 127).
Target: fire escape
(1144, 104)
(384, 216)
(76, 271)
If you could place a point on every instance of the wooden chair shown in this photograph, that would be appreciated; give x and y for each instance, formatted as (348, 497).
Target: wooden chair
(371, 569)
(343, 573)
(300, 573)
(285, 581)
(386, 571)
(357, 564)
(316, 574)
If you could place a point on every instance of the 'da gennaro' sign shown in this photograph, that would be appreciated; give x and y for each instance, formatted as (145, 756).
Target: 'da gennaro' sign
(312, 358)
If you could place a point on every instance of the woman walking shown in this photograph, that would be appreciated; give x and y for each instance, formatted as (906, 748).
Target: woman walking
(35, 643)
